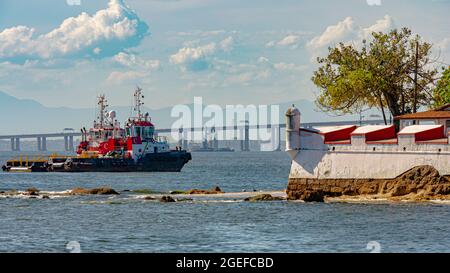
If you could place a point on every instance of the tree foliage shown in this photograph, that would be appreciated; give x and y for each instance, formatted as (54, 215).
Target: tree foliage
(378, 73)
(442, 91)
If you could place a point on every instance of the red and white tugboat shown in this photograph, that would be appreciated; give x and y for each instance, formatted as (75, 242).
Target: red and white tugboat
(107, 147)
(105, 135)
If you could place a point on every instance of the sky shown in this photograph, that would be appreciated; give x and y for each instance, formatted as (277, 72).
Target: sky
(67, 52)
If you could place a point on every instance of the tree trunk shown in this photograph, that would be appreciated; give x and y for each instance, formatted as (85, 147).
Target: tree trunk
(380, 100)
(394, 109)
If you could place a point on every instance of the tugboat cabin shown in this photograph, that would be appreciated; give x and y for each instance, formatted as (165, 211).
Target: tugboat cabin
(145, 130)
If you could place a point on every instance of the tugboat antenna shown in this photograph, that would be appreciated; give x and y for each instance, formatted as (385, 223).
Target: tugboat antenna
(102, 104)
(137, 102)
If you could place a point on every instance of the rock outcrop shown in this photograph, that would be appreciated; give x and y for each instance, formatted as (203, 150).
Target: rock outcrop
(215, 190)
(418, 184)
(99, 191)
(262, 197)
(32, 192)
(167, 199)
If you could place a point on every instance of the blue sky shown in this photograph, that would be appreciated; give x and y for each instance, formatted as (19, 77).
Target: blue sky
(228, 51)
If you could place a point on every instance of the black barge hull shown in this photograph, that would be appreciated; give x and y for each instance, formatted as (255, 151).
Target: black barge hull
(172, 161)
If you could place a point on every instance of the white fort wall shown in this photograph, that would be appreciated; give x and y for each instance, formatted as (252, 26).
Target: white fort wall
(360, 160)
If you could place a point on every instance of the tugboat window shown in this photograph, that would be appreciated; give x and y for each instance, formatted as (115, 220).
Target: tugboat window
(137, 131)
(147, 132)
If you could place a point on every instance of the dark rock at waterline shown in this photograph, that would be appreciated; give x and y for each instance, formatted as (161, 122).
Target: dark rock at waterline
(45, 197)
(313, 196)
(215, 190)
(32, 192)
(167, 199)
(184, 200)
(178, 192)
(148, 198)
(262, 197)
(100, 191)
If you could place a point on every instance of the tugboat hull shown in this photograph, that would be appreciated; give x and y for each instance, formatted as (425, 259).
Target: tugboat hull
(156, 162)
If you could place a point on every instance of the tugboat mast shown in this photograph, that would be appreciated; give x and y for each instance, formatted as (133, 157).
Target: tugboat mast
(138, 102)
(102, 104)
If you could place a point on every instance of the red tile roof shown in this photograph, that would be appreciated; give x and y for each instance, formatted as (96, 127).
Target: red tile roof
(439, 113)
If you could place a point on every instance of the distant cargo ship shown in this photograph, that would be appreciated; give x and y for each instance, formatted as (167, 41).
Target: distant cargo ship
(107, 147)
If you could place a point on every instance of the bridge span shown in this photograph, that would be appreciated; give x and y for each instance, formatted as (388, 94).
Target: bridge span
(41, 138)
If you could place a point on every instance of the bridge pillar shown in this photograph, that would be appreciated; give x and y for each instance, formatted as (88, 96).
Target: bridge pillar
(71, 148)
(241, 140)
(247, 138)
(44, 144)
(17, 142)
(13, 145)
(185, 142)
(66, 143)
(39, 144)
(180, 137)
(278, 137)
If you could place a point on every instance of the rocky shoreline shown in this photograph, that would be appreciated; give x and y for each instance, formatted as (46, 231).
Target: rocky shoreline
(422, 183)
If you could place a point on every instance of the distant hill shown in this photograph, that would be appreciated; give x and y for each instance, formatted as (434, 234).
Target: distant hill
(28, 116)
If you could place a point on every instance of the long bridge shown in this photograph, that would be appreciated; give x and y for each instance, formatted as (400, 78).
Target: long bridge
(69, 136)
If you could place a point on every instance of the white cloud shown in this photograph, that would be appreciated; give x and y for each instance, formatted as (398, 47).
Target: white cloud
(132, 61)
(97, 50)
(137, 69)
(227, 44)
(203, 33)
(199, 58)
(342, 31)
(107, 31)
(270, 44)
(263, 60)
(347, 31)
(289, 67)
(121, 77)
(281, 66)
(193, 58)
(290, 40)
(384, 24)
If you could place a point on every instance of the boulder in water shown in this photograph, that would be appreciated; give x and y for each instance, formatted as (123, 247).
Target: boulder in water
(32, 192)
(313, 196)
(184, 200)
(100, 191)
(167, 199)
(215, 190)
(262, 197)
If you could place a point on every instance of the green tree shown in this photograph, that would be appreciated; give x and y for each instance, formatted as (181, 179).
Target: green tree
(393, 70)
(442, 91)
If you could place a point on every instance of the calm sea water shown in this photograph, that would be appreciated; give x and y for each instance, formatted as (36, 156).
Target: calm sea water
(126, 224)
